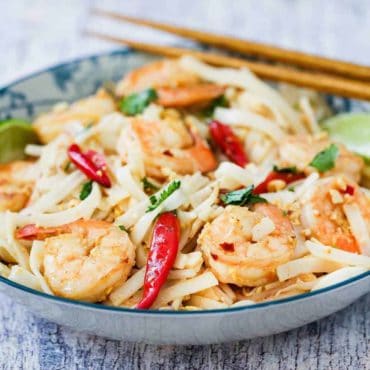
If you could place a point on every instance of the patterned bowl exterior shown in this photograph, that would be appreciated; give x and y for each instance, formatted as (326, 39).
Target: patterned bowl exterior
(37, 93)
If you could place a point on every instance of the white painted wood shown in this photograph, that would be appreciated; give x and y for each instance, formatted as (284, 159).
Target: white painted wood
(38, 33)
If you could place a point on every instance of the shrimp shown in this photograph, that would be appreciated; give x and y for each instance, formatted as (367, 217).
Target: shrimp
(175, 86)
(87, 111)
(244, 247)
(15, 185)
(300, 150)
(83, 260)
(324, 215)
(169, 144)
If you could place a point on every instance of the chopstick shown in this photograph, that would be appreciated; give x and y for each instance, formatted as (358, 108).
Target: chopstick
(317, 81)
(270, 52)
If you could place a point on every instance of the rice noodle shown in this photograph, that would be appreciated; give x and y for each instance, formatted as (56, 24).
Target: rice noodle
(128, 288)
(236, 117)
(305, 265)
(185, 287)
(140, 229)
(206, 303)
(13, 247)
(36, 260)
(21, 276)
(337, 255)
(33, 150)
(304, 104)
(4, 270)
(358, 227)
(83, 210)
(243, 79)
(338, 276)
(131, 185)
(57, 194)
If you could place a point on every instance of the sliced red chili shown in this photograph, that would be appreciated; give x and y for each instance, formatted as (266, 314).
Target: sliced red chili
(228, 142)
(286, 177)
(162, 254)
(91, 163)
(349, 190)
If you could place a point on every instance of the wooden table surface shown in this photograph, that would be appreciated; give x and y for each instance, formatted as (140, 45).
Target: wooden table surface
(38, 33)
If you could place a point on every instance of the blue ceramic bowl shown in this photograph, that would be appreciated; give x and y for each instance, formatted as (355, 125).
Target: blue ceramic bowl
(73, 80)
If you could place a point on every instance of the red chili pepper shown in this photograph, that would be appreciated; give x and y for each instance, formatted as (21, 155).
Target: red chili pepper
(228, 142)
(162, 255)
(91, 163)
(274, 175)
(349, 190)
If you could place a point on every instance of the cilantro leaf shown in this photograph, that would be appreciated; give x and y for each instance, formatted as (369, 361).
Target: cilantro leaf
(220, 101)
(325, 160)
(148, 186)
(242, 197)
(292, 169)
(121, 227)
(157, 200)
(67, 167)
(86, 190)
(136, 103)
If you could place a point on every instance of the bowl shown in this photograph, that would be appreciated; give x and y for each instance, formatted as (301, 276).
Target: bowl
(70, 81)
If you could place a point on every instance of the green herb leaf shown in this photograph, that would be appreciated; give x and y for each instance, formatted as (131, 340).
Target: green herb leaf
(136, 103)
(86, 190)
(291, 188)
(325, 160)
(157, 200)
(121, 227)
(242, 197)
(149, 186)
(67, 166)
(221, 101)
(292, 169)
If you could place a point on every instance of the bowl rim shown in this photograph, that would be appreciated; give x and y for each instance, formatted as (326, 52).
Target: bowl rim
(100, 307)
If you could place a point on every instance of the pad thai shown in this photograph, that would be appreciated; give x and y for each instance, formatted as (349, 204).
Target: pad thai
(185, 187)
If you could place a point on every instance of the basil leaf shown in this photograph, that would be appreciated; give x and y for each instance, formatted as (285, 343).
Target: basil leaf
(136, 103)
(242, 197)
(86, 190)
(148, 186)
(325, 160)
(292, 169)
(157, 200)
(221, 101)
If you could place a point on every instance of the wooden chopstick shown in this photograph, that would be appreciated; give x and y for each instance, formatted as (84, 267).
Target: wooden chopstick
(317, 81)
(273, 53)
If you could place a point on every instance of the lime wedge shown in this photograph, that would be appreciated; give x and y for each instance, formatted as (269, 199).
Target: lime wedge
(351, 129)
(15, 134)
